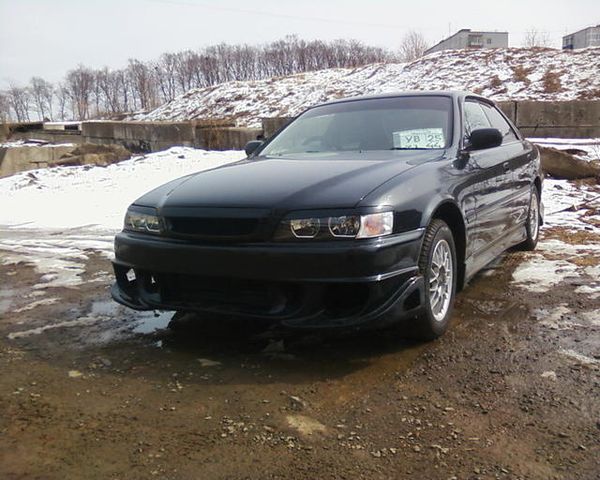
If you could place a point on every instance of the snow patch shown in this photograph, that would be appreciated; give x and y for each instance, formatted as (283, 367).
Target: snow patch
(37, 303)
(83, 321)
(540, 274)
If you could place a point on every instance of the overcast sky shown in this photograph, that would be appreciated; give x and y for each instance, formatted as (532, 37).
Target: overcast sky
(48, 37)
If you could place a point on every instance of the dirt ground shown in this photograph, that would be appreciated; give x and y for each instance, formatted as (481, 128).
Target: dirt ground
(90, 389)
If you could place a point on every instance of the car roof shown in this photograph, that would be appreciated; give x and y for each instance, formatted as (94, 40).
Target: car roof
(412, 93)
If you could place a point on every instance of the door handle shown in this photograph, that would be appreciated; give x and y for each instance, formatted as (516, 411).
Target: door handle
(506, 167)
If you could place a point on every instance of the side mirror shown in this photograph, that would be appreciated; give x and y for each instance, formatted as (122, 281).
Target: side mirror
(251, 146)
(485, 138)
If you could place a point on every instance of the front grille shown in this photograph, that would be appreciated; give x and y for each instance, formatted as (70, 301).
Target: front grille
(212, 227)
(247, 295)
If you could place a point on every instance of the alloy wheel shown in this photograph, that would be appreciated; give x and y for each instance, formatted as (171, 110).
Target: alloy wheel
(440, 280)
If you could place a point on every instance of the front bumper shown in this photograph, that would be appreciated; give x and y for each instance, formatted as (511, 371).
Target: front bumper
(321, 284)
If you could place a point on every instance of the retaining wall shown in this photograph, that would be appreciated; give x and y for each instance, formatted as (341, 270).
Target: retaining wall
(53, 136)
(572, 119)
(140, 136)
(154, 136)
(19, 159)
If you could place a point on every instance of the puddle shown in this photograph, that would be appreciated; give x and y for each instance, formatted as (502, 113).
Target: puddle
(152, 321)
(142, 322)
(7, 296)
(108, 308)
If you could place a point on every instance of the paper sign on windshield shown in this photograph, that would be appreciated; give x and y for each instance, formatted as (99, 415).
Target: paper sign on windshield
(419, 138)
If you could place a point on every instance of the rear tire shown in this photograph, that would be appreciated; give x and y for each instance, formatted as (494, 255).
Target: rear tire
(437, 263)
(532, 227)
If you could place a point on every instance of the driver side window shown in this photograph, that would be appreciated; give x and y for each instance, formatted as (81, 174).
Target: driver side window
(474, 117)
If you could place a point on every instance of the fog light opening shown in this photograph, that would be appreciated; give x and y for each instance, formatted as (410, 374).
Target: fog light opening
(412, 301)
(344, 300)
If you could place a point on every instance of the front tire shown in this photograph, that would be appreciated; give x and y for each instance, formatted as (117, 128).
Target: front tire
(532, 227)
(437, 263)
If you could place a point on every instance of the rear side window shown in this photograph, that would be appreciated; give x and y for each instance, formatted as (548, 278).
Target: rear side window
(498, 121)
(475, 117)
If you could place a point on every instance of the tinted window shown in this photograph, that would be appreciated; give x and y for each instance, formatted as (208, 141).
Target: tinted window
(374, 124)
(474, 117)
(498, 121)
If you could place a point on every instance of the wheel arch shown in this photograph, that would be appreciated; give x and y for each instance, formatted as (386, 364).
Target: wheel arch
(448, 211)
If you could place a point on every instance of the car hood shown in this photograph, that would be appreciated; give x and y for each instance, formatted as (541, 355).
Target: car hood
(338, 180)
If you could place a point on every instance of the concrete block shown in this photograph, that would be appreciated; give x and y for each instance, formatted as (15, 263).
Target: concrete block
(271, 125)
(577, 113)
(19, 159)
(509, 108)
(225, 138)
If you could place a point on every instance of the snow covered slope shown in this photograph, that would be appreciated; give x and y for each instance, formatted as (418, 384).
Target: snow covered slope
(501, 74)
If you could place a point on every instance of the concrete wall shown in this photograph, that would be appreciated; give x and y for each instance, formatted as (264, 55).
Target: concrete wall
(271, 125)
(140, 137)
(225, 138)
(572, 119)
(53, 136)
(19, 159)
(143, 137)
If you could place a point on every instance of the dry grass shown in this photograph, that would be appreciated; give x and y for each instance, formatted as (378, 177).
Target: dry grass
(495, 82)
(520, 74)
(591, 94)
(551, 81)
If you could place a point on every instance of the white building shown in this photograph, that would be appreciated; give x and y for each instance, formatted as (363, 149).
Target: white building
(588, 37)
(466, 38)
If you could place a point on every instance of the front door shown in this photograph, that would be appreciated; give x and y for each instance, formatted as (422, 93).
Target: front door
(492, 184)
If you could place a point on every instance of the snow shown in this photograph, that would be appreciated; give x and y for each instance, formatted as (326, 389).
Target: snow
(34, 143)
(96, 197)
(586, 149)
(500, 74)
(571, 206)
(540, 274)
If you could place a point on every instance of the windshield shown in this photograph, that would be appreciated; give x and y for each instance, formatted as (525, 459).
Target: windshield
(397, 123)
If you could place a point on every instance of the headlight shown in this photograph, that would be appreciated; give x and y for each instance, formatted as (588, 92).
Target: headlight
(142, 222)
(342, 226)
(305, 227)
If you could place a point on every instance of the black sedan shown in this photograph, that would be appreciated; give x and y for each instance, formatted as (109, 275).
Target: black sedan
(362, 211)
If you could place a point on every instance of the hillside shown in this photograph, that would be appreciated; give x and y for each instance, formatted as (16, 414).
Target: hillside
(501, 74)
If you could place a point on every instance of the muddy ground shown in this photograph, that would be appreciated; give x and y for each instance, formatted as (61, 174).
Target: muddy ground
(511, 391)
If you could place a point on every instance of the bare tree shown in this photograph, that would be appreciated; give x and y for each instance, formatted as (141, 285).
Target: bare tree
(535, 38)
(413, 46)
(19, 99)
(4, 108)
(62, 97)
(42, 93)
(79, 85)
(142, 84)
(164, 71)
(86, 93)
